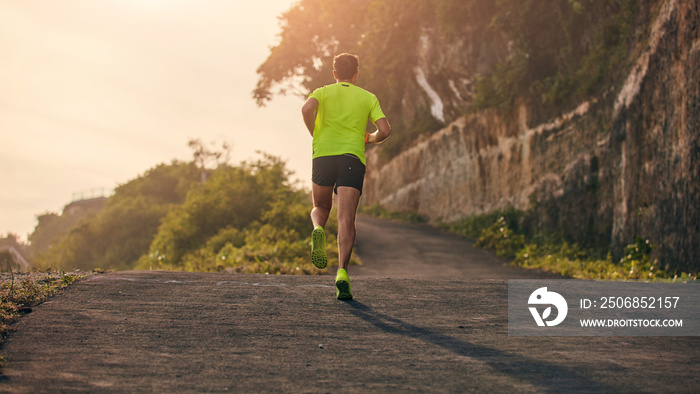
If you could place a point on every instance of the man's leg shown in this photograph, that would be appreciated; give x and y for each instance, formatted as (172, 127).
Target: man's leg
(323, 202)
(348, 200)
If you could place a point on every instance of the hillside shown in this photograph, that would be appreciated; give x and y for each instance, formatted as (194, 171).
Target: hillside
(247, 218)
(583, 114)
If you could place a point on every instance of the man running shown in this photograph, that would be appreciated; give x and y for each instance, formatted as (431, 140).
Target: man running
(336, 116)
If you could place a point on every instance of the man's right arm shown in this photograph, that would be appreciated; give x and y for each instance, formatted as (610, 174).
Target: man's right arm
(309, 112)
(383, 132)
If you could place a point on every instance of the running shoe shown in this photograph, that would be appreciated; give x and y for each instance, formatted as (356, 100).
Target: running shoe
(342, 285)
(318, 248)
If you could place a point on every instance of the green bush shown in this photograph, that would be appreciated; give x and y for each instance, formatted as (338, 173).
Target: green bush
(246, 218)
(507, 237)
(500, 237)
(474, 226)
(233, 199)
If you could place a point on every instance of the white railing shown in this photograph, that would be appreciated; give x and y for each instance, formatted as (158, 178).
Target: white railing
(92, 193)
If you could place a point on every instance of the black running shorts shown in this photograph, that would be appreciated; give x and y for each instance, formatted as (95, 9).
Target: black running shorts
(341, 170)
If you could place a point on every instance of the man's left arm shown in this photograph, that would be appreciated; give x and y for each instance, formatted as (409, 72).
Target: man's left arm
(309, 111)
(383, 132)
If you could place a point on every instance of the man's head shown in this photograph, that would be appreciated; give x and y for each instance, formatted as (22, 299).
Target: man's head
(345, 66)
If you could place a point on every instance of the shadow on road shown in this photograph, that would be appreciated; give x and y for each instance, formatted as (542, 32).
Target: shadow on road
(523, 368)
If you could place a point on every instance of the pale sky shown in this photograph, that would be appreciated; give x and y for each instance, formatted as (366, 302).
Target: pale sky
(95, 92)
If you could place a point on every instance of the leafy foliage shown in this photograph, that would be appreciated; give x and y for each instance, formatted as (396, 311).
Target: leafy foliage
(473, 226)
(502, 238)
(121, 232)
(550, 52)
(52, 227)
(581, 48)
(382, 32)
(243, 219)
(232, 199)
(507, 237)
(190, 216)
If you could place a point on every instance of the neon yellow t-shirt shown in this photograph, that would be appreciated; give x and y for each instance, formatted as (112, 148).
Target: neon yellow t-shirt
(343, 111)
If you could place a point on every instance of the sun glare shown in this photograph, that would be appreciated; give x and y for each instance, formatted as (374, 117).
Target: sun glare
(152, 3)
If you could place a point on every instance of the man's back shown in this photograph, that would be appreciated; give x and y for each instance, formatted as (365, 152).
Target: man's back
(343, 112)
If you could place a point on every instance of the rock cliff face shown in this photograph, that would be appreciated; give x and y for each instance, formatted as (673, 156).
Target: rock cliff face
(619, 165)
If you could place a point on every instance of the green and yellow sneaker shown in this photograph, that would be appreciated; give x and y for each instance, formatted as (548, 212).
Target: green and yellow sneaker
(318, 248)
(342, 285)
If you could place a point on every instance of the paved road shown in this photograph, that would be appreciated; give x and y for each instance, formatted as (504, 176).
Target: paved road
(143, 331)
(402, 250)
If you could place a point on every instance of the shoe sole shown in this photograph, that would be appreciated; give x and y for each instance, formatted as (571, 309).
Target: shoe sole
(343, 290)
(318, 249)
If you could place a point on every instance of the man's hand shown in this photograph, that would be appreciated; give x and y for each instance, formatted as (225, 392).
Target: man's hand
(383, 132)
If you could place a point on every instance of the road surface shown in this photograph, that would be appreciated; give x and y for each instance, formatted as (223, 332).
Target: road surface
(397, 249)
(444, 330)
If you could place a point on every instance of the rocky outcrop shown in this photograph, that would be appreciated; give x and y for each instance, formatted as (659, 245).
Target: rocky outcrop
(619, 165)
(656, 140)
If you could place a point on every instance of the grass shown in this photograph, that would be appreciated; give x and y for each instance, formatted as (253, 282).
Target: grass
(19, 292)
(555, 255)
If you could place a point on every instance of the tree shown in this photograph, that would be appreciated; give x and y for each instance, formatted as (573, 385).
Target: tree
(205, 158)
(121, 232)
(550, 52)
(232, 197)
(383, 33)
